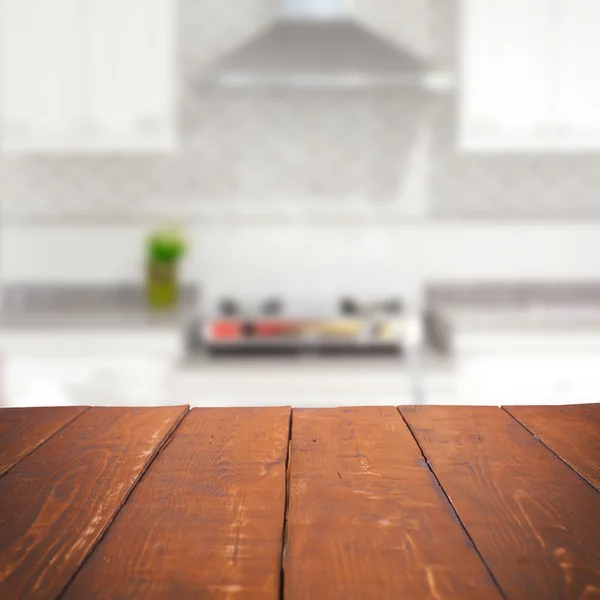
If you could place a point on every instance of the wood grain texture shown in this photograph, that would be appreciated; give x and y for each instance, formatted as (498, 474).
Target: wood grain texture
(207, 519)
(56, 503)
(572, 432)
(535, 522)
(366, 517)
(22, 430)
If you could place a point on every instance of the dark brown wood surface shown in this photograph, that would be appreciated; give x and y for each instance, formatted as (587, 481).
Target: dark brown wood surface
(361, 513)
(572, 432)
(533, 519)
(206, 520)
(367, 518)
(22, 430)
(56, 503)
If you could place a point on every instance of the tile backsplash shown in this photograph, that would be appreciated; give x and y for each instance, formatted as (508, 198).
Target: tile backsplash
(387, 149)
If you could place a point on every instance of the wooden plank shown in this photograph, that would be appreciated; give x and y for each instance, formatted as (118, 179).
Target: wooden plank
(572, 432)
(535, 522)
(22, 430)
(207, 519)
(56, 503)
(366, 517)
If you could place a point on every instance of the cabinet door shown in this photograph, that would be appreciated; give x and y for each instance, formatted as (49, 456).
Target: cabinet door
(507, 73)
(131, 64)
(41, 70)
(578, 73)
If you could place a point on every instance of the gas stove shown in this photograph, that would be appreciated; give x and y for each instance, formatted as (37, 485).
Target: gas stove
(274, 326)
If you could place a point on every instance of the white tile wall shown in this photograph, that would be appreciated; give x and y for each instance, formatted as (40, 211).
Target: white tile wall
(323, 261)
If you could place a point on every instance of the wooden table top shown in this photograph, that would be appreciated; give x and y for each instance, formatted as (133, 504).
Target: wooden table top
(377, 503)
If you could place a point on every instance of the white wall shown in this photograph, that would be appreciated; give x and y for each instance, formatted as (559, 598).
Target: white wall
(318, 260)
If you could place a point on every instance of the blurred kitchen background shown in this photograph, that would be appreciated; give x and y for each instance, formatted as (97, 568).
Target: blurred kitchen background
(382, 202)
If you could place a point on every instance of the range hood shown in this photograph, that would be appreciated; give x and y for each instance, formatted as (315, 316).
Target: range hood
(317, 43)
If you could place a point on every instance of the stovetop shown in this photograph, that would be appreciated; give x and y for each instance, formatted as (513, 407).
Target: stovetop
(276, 325)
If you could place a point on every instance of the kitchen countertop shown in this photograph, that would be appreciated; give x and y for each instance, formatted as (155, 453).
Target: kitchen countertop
(542, 318)
(454, 328)
(47, 307)
(115, 318)
(273, 503)
(517, 309)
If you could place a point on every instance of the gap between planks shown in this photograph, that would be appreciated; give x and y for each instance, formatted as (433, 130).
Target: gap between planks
(286, 507)
(165, 442)
(541, 441)
(441, 487)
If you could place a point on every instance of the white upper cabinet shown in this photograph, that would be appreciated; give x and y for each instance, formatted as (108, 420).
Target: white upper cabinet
(87, 75)
(40, 94)
(529, 75)
(578, 72)
(131, 59)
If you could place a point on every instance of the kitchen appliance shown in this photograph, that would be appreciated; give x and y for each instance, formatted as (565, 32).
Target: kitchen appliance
(317, 43)
(276, 327)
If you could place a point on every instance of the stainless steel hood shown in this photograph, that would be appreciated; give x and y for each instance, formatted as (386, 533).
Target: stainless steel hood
(316, 43)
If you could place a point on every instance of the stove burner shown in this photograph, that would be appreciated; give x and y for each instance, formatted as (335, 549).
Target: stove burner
(229, 307)
(272, 307)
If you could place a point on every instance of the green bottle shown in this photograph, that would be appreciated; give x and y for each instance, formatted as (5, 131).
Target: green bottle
(166, 247)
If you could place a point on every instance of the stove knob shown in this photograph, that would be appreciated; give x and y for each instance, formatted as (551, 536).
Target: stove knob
(248, 329)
